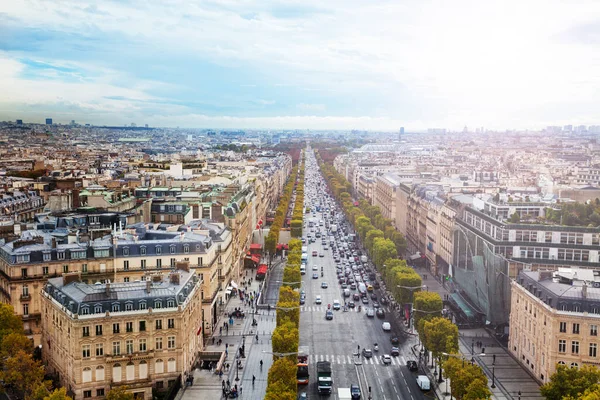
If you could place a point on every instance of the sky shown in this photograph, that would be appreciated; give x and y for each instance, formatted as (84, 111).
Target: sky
(334, 64)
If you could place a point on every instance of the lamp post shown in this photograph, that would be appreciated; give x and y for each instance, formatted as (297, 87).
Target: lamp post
(519, 395)
(493, 378)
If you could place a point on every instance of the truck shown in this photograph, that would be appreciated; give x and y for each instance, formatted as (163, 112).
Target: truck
(325, 382)
(344, 394)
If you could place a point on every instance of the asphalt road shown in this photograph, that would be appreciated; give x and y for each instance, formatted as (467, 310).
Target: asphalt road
(337, 340)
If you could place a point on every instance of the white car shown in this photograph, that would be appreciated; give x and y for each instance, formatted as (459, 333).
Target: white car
(318, 300)
(386, 326)
(324, 285)
(336, 305)
(386, 359)
(315, 268)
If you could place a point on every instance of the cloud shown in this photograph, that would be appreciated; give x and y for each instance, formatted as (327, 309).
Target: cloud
(429, 63)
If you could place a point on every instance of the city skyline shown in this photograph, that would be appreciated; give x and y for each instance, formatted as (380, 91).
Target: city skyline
(334, 65)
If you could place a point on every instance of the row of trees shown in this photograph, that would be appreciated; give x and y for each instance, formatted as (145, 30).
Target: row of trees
(282, 381)
(280, 213)
(297, 216)
(384, 243)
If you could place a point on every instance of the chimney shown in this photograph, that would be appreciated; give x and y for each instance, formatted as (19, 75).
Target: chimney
(71, 277)
(182, 266)
(53, 245)
(148, 286)
(181, 236)
(584, 290)
(107, 289)
(174, 278)
(156, 278)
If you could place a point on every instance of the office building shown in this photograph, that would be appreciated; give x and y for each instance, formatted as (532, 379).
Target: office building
(48, 121)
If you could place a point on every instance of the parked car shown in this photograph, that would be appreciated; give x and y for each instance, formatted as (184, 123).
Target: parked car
(386, 326)
(412, 365)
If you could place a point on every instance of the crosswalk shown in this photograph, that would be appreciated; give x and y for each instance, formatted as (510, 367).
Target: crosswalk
(351, 359)
(323, 308)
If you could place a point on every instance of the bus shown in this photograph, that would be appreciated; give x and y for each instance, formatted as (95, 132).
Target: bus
(302, 373)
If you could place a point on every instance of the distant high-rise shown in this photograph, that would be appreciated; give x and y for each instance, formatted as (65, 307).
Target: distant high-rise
(146, 125)
(48, 121)
(19, 122)
(568, 128)
(401, 133)
(72, 122)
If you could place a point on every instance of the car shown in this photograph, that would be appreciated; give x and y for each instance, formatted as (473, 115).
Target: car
(341, 280)
(315, 276)
(325, 247)
(318, 300)
(395, 341)
(376, 285)
(386, 359)
(367, 353)
(412, 365)
(329, 315)
(375, 304)
(351, 304)
(386, 326)
(314, 253)
(355, 391)
(380, 313)
(370, 313)
(353, 286)
(324, 285)
(373, 296)
(321, 254)
(355, 296)
(302, 300)
(383, 301)
(303, 396)
(365, 300)
(395, 351)
(344, 285)
(315, 267)
(336, 304)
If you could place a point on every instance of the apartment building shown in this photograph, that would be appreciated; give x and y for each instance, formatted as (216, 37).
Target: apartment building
(143, 335)
(21, 206)
(366, 187)
(488, 250)
(554, 319)
(384, 195)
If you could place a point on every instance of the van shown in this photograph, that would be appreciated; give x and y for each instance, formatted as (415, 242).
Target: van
(346, 292)
(423, 382)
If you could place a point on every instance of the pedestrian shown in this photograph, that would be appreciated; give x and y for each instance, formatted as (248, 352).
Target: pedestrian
(226, 353)
(220, 330)
(213, 340)
(228, 384)
(253, 379)
(226, 346)
(221, 375)
(240, 389)
(257, 338)
(223, 383)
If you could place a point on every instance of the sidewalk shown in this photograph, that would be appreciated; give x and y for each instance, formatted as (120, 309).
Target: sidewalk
(207, 385)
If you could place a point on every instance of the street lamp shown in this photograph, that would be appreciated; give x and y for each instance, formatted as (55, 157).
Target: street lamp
(493, 377)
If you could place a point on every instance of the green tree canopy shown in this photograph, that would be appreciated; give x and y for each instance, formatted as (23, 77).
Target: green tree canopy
(441, 336)
(23, 372)
(283, 371)
(9, 321)
(371, 235)
(119, 393)
(468, 381)
(570, 382)
(58, 394)
(427, 305)
(285, 339)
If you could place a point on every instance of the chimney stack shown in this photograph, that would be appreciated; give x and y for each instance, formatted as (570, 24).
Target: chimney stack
(148, 286)
(174, 278)
(584, 290)
(107, 289)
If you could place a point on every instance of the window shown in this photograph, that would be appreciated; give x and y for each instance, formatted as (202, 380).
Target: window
(129, 326)
(142, 326)
(78, 254)
(562, 346)
(65, 269)
(116, 348)
(44, 270)
(116, 307)
(126, 265)
(84, 268)
(97, 309)
(171, 342)
(60, 255)
(576, 328)
(85, 331)
(186, 249)
(47, 256)
(172, 263)
(129, 346)
(142, 344)
(101, 253)
(158, 324)
(142, 305)
(87, 394)
(575, 347)
(171, 323)
(199, 261)
(563, 327)
(99, 392)
(170, 303)
(125, 251)
(99, 350)
(574, 365)
(593, 330)
(158, 344)
(143, 250)
(25, 309)
(23, 272)
(85, 351)
(158, 250)
(143, 264)
(593, 350)
(157, 304)
(116, 328)
(158, 263)
(128, 306)
(172, 249)
(25, 291)
(98, 330)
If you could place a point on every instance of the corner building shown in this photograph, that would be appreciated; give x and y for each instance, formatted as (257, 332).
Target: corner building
(143, 334)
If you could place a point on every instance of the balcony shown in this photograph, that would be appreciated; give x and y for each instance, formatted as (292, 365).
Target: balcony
(143, 355)
(25, 297)
(132, 384)
(31, 317)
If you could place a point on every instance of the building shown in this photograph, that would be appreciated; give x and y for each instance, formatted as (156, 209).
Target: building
(384, 195)
(48, 121)
(19, 122)
(554, 319)
(144, 335)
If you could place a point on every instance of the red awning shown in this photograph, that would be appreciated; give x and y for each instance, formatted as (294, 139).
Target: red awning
(256, 258)
(262, 269)
(279, 246)
(255, 246)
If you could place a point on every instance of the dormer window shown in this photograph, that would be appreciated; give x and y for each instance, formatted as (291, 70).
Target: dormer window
(97, 309)
(186, 249)
(170, 303)
(60, 255)
(125, 251)
(85, 310)
(142, 305)
(116, 307)
(77, 254)
(47, 256)
(158, 250)
(172, 249)
(128, 306)
(143, 250)
(157, 304)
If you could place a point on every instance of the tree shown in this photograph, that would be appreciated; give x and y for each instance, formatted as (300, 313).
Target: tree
(9, 321)
(41, 391)
(283, 371)
(426, 302)
(440, 336)
(383, 249)
(477, 390)
(288, 295)
(285, 339)
(23, 372)
(13, 343)
(371, 235)
(591, 393)
(279, 391)
(271, 243)
(58, 394)
(410, 283)
(570, 382)
(468, 381)
(119, 393)
(514, 219)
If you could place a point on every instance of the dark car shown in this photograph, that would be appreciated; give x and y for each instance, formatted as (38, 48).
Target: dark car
(302, 300)
(374, 296)
(329, 315)
(356, 296)
(365, 300)
(355, 391)
(376, 285)
(395, 351)
(380, 313)
(412, 365)
(367, 353)
(395, 341)
(351, 304)
(383, 301)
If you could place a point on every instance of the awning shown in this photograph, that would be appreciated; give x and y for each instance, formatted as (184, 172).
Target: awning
(234, 284)
(415, 256)
(255, 246)
(464, 307)
(228, 291)
(256, 259)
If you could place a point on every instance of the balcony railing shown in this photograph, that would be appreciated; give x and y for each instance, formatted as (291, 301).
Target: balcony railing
(25, 297)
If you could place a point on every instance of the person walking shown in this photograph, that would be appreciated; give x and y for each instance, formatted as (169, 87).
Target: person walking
(253, 379)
